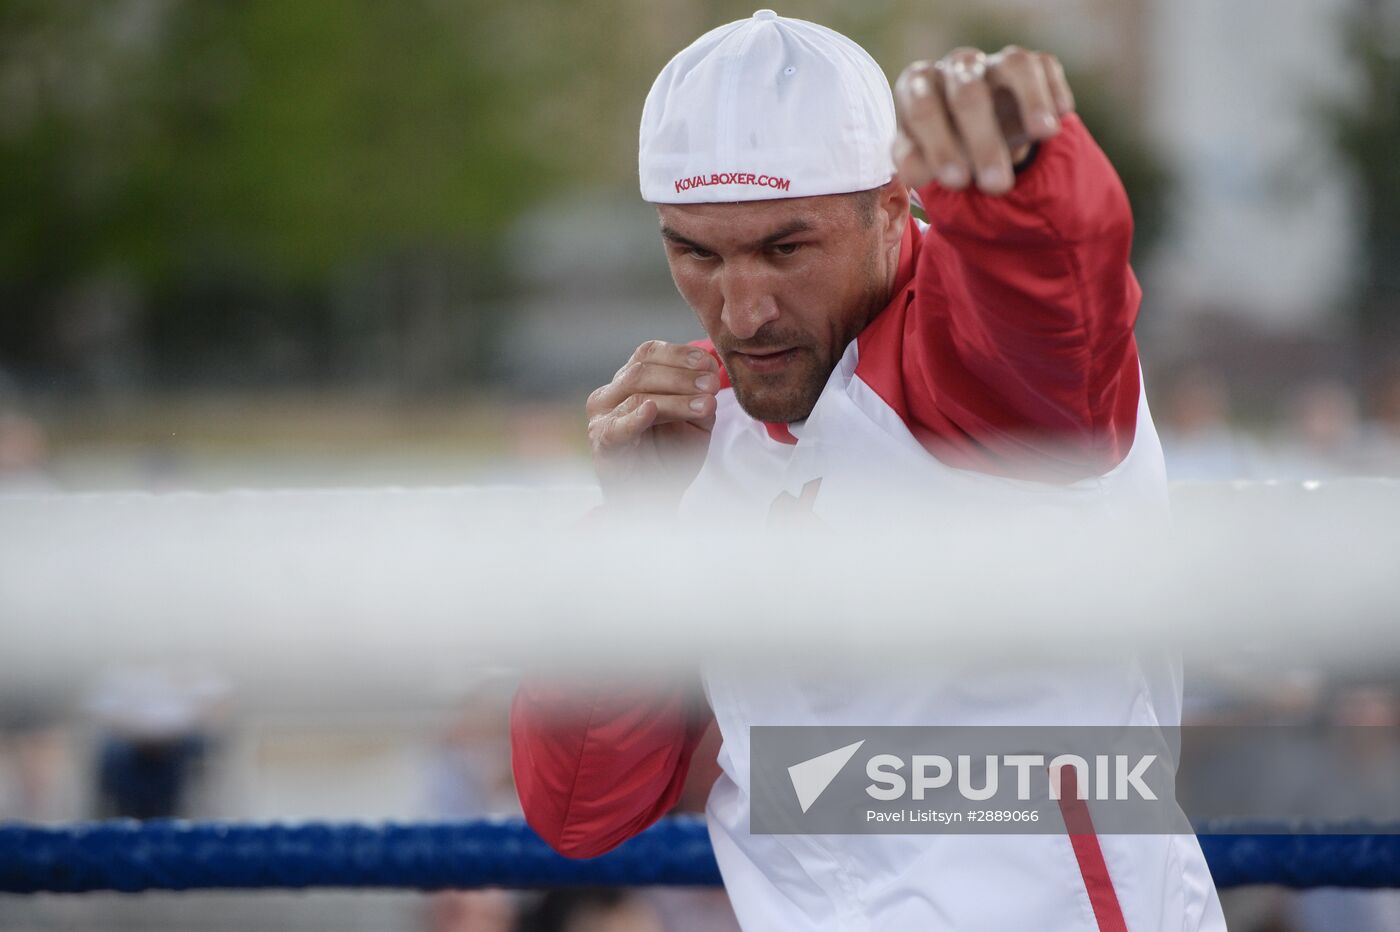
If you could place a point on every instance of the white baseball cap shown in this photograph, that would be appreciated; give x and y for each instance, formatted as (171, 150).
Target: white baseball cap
(763, 108)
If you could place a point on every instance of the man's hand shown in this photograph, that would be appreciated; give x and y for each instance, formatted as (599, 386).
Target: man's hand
(650, 426)
(969, 117)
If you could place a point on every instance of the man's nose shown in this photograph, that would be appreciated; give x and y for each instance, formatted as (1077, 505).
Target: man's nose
(748, 304)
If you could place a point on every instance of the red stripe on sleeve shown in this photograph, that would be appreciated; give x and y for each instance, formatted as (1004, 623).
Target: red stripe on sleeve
(1089, 855)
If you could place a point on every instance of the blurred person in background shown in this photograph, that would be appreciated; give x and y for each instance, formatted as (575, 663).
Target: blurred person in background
(156, 730)
(1359, 773)
(468, 768)
(1381, 445)
(1320, 437)
(473, 911)
(1254, 721)
(33, 757)
(31, 741)
(468, 777)
(609, 910)
(696, 909)
(24, 453)
(1197, 439)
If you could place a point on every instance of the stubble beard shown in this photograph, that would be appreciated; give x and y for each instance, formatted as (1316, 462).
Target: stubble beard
(785, 397)
(782, 398)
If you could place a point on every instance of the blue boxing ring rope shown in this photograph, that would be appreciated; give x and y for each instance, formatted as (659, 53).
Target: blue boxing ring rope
(168, 855)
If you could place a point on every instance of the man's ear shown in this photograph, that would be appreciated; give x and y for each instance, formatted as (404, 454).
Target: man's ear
(893, 211)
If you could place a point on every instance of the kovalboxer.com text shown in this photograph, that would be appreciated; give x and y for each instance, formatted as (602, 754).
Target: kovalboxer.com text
(1115, 777)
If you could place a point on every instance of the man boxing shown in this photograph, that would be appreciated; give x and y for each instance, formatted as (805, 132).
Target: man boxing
(987, 359)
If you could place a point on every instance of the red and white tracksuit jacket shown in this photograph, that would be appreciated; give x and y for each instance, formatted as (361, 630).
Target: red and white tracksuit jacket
(1003, 371)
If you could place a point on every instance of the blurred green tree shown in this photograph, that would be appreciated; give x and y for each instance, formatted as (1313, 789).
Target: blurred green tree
(1366, 133)
(229, 162)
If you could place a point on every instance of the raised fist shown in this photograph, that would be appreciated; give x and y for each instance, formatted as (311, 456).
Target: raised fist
(969, 117)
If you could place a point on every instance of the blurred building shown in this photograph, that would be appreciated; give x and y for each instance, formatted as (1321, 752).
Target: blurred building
(1264, 227)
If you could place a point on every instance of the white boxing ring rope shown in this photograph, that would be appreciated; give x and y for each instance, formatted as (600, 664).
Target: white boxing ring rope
(353, 594)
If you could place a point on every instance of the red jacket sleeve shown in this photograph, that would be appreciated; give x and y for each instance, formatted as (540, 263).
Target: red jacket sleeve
(1016, 352)
(596, 764)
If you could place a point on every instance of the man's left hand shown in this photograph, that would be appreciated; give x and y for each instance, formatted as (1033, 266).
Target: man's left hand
(969, 117)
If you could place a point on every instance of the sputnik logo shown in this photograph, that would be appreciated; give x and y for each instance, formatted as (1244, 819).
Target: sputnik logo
(811, 777)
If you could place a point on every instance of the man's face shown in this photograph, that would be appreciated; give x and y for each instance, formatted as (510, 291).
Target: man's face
(782, 287)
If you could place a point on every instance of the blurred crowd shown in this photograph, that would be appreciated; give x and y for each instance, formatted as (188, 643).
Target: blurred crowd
(1325, 429)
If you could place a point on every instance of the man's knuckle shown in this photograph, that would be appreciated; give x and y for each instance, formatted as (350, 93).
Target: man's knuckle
(910, 77)
(1017, 66)
(964, 94)
(988, 154)
(631, 374)
(598, 432)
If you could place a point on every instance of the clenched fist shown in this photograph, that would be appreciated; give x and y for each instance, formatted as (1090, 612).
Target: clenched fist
(650, 426)
(969, 117)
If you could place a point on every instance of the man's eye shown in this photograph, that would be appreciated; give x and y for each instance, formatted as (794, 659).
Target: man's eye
(786, 249)
(695, 252)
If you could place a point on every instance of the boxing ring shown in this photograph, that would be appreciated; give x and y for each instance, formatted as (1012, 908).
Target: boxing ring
(134, 857)
(247, 570)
